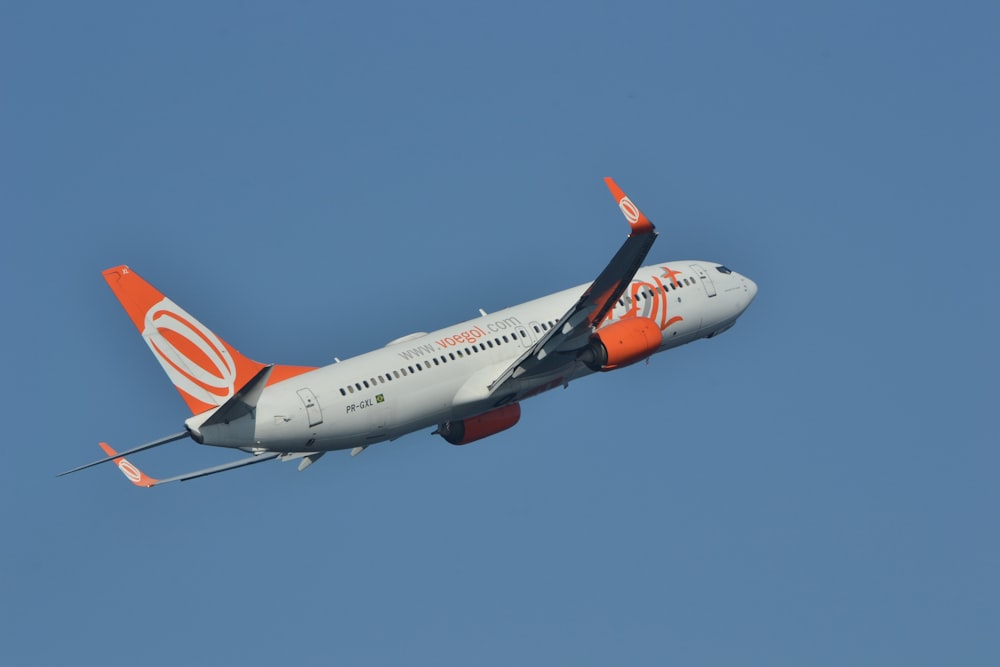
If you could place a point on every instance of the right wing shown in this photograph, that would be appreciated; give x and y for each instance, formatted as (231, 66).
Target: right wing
(139, 478)
(554, 354)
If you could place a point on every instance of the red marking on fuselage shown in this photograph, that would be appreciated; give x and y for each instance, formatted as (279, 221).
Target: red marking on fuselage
(658, 300)
(468, 337)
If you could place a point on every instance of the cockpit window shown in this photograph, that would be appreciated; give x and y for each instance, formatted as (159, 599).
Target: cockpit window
(722, 269)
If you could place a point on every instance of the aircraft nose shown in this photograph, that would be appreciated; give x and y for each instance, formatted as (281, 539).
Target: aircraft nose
(749, 292)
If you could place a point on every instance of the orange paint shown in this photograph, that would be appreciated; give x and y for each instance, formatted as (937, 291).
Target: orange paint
(636, 219)
(205, 369)
(133, 474)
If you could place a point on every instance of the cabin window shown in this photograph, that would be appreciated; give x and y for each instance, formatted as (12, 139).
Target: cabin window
(342, 392)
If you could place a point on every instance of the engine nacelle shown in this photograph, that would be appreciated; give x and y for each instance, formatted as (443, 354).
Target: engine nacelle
(476, 428)
(622, 343)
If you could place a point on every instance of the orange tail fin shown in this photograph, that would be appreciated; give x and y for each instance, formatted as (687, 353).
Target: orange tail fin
(205, 369)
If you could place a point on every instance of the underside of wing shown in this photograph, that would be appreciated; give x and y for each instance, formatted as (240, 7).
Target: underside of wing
(553, 357)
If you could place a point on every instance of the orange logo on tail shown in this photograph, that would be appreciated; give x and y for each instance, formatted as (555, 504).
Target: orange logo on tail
(195, 359)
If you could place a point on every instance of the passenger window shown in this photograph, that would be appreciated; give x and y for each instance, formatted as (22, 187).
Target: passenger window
(342, 392)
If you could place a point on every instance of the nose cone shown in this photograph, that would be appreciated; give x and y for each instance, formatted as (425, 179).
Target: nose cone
(749, 292)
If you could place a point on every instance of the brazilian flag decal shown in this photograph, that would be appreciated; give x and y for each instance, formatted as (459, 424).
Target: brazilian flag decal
(379, 398)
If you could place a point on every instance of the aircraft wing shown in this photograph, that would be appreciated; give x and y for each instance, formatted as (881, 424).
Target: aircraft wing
(555, 352)
(139, 478)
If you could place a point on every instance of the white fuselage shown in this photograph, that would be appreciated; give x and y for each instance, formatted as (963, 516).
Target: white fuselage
(429, 378)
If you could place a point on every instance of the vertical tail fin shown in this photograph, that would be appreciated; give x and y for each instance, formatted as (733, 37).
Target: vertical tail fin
(205, 369)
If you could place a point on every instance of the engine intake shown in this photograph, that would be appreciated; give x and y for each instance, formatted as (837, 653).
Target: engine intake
(476, 428)
(622, 343)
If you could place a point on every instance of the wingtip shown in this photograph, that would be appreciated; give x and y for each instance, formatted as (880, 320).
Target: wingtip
(637, 220)
(132, 474)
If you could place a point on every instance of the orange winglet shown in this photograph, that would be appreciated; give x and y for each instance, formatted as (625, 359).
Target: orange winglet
(133, 474)
(636, 219)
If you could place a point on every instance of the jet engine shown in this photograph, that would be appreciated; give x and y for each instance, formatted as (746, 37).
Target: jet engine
(476, 428)
(622, 343)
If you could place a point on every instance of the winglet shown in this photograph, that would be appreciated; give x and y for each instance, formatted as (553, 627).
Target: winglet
(636, 219)
(134, 475)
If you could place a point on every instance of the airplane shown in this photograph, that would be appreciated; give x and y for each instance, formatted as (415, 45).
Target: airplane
(468, 380)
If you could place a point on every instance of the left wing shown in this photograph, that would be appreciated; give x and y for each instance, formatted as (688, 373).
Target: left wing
(139, 478)
(551, 356)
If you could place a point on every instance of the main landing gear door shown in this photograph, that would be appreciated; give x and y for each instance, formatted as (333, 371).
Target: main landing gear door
(313, 411)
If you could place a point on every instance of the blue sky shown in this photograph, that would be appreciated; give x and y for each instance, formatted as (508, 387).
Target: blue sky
(817, 486)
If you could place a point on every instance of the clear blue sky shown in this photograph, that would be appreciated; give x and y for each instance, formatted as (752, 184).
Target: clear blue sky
(818, 486)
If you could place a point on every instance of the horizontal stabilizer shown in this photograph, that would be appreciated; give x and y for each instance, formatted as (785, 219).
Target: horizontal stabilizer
(243, 402)
(140, 448)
